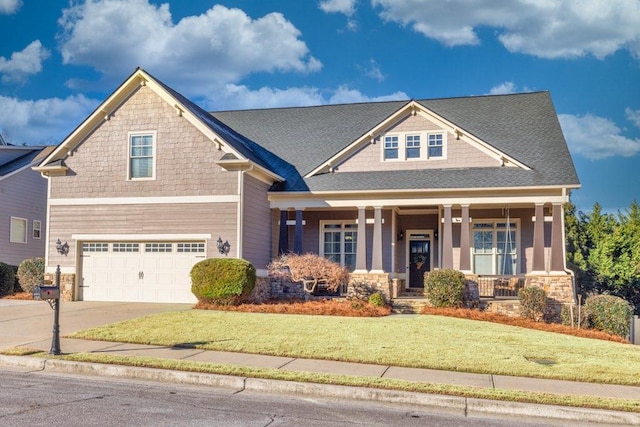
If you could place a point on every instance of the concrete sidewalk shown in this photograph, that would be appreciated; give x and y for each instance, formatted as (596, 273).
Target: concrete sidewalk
(29, 324)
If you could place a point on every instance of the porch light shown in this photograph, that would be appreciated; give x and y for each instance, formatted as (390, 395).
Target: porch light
(400, 235)
(62, 248)
(223, 248)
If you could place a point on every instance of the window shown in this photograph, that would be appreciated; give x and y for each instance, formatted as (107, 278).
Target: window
(413, 146)
(126, 247)
(95, 247)
(339, 243)
(435, 145)
(190, 247)
(158, 247)
(18, 232)
(141, 156)
(37, 228)
(495, 247)
(391, 147)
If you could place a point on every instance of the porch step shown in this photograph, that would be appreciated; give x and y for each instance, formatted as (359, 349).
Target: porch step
(408, 305)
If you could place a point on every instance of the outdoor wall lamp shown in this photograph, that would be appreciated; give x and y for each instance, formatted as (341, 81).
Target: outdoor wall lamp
(62, 248)
(400, 235)
(223, 248)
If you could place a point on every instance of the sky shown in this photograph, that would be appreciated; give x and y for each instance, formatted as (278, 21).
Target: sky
(59, 59)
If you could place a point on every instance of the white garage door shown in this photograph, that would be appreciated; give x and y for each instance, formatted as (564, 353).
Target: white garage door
(139, 271)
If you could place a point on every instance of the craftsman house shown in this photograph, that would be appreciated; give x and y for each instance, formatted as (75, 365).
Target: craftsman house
(23, 203)
(150, 183)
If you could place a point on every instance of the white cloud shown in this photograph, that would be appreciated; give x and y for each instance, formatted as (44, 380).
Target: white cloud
(346, 7)
(43, 121)
(374, 72)
(596, 137)
(23, 63)
(633, 115)
(219, 46)
(240, 97)
(548, 29)
(503, 88)
(9, 7)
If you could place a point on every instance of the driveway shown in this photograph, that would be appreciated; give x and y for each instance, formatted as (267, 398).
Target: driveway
(26, 322)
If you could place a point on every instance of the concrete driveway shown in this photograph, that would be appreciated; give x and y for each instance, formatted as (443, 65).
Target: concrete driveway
(26, 322)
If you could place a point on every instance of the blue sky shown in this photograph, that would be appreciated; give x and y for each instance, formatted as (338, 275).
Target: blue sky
(59, 59)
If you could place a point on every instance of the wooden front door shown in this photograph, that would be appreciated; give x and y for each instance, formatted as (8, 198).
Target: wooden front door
(419, 261)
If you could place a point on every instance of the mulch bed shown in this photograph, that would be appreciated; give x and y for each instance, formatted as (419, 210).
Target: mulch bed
(319, 308)
(20, 296)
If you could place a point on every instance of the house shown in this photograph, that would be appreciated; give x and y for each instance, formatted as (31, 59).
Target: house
(150, 183)
(23, 203)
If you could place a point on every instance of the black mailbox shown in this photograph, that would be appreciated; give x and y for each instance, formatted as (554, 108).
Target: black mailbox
(44, 292)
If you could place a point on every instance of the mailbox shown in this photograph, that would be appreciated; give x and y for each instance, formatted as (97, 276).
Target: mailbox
(44, 292)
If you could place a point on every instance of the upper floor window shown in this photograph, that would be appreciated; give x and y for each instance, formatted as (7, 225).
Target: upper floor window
(414, 146)
(435, 145)
(142, 155)
(391, 147)
(18, 231)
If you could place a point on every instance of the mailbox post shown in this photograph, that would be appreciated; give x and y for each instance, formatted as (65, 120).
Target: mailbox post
(51, 294)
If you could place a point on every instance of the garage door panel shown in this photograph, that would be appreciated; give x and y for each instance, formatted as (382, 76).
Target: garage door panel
(156, 273)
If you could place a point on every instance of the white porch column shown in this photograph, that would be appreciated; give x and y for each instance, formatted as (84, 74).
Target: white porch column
(538, 240)
(376, 257)
(361, 242)
(447, 239)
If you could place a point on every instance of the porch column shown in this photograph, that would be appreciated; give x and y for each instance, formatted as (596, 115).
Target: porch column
(538, 240)
(557, 240)
(361, 242)
(376, 256)
(283, 242)
(298, 238)
(447, 239)
(465, 232)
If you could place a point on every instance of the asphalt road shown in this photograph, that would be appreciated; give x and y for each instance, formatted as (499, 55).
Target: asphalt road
(40, 398)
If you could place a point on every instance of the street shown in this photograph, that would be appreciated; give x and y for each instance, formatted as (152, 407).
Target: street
(41, 398)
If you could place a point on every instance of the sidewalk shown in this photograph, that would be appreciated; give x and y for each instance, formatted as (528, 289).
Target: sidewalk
(86, 315)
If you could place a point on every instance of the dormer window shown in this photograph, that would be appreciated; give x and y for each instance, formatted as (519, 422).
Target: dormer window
(414, 146)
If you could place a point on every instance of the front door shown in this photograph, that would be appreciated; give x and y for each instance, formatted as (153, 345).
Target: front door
(419, 261)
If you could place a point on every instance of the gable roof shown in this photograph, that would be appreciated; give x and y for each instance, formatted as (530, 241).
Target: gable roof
(13, 159)
(524, 127)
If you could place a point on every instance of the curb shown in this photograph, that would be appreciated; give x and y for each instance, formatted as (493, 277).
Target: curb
(466, 407)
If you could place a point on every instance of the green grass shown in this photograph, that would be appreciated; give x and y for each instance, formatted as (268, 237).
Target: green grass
(434, 342)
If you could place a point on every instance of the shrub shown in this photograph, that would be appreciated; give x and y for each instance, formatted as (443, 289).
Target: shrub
(223, 281)
(310, 266)
(444, 288)
(376, 299)
(30, 273)
(533, 302)
(609, 314)
(7, 279)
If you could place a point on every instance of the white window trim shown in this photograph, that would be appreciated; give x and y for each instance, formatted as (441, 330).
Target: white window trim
(26, 228)
(342, 230)
(494, 249)
(424, 146)
(154, 135)
(38, 228)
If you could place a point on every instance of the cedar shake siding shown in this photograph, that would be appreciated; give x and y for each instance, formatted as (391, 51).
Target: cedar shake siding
(185, 158)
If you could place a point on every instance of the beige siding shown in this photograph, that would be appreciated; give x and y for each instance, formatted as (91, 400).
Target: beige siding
(217, 219)
(185, 158)
(458, 153)
(22, 195)
(256, 223)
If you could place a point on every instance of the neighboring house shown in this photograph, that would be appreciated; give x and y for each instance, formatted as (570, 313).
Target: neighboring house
(150, 183)
(23, 203)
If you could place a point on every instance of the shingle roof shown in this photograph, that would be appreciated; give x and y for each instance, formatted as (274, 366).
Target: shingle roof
(523, 126)
(17, 158)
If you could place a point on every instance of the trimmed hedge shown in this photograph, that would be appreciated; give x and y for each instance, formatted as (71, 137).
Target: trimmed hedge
(533, 303)
(222, 281)
(7, 279)
(444, 288)
(609, 314)
(30, 273)
(376, 299)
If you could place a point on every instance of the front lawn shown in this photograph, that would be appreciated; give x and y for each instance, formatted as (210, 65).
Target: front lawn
(424, 341)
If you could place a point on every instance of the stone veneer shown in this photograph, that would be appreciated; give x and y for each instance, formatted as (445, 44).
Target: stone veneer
(376, 281)
(67, 282)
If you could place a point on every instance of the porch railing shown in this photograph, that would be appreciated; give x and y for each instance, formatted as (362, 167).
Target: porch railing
(500, 286)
